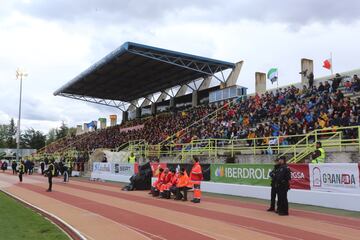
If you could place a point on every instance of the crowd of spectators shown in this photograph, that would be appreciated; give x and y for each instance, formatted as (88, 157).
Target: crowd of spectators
(286, 111)
(155, 130)
(283, 112)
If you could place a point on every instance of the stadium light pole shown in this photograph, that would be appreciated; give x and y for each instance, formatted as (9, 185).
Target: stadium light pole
(19, 75)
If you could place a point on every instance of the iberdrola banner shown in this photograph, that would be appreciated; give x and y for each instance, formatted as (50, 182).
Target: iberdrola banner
(248, 174)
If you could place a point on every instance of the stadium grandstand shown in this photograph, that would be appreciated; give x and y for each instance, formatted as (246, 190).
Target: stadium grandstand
(227, 125)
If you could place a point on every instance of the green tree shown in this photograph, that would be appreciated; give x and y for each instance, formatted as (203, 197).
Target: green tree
(10, 138)
(3, 135)
(51, 136)
(62, 131)
(72, 131)
(33, 139)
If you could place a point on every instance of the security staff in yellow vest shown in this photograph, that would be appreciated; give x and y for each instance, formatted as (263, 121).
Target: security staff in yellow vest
(66, 170)
(319, 155)
(21, 170)
(132, 158)
(50, 172)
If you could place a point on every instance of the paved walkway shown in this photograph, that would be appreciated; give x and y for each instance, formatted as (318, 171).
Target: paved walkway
(103, 211)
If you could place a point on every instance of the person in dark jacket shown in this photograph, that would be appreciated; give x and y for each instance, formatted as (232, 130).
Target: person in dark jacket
(42, 167)
(4, 166)
(50, 173)
(273, 174)
(282, 183)
(13, 167)
(336, 82)
(31, 167)
(310, 77)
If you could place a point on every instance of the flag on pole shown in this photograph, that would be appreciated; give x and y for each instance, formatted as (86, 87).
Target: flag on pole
(272, 75)
(91, 124)
(327, 64)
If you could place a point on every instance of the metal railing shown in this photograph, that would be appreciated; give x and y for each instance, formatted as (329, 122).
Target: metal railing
(183, 131)
(295, 147)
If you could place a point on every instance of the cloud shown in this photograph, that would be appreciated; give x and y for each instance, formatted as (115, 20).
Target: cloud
(295, 12)
(56, 40)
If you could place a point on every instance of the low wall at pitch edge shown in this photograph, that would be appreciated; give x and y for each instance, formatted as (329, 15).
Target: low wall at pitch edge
(333, 185)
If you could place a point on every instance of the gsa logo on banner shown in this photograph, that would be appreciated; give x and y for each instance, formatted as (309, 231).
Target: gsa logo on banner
(220, 172)
(96, 166)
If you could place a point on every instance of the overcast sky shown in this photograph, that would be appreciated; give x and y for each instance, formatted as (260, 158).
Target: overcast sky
(56, 40)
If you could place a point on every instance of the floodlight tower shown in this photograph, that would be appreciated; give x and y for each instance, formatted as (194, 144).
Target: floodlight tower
(20, 74)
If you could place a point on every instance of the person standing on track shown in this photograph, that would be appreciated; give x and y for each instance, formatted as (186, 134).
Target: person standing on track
(273, 174)
(196, 177)
(4, 166)
(283, 185)
(14, 166)
(50, 172)
(21, 170)
(42, 167)
(66, 169)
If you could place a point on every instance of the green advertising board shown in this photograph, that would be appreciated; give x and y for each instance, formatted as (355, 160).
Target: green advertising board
(247, 174)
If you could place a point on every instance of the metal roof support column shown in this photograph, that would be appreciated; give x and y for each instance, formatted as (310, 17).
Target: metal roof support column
(195, 99)
(205, 83)
(138, 112)
(233, 76)
(153, 109)
(172, 103)
(125, 116)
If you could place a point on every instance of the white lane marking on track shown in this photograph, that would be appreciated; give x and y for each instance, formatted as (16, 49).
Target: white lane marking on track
(268, 232)
(205, 234)
(140, 230)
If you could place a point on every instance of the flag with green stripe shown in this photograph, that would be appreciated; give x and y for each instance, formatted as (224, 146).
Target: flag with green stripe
(272, 75)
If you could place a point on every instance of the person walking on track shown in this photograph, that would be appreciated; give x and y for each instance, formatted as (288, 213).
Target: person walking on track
(21, 170)
(50, 172)
(196, 177)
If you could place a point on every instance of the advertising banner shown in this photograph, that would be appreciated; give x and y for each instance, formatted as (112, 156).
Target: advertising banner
(205, 168)
(123, 169)
(101, 167)
(248, 174)
(137, 127)
(335, 177)
(299, 176)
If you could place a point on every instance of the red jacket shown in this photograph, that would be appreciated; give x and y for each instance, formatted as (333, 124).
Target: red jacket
(167, 178)
(196, 173)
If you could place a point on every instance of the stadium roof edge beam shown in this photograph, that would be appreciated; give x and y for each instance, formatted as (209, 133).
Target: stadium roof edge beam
(133, 71)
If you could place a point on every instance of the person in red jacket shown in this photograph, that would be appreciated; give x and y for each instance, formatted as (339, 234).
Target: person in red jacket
(170, 187)
(183, 185)
(167, 179)
(196, 177)
(154, 190)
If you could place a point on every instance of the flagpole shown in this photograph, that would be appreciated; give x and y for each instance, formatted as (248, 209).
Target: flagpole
(331, 63)
(20, 74)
